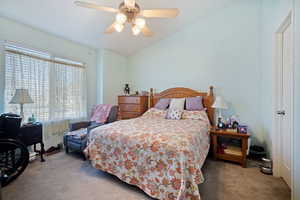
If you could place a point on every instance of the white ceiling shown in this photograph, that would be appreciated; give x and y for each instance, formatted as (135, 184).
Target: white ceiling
(86, 26)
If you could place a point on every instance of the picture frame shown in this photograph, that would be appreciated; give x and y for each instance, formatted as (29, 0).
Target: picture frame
(242, 129)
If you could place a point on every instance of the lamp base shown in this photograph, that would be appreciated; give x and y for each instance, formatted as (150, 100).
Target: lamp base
(22, 111)
(220, 124)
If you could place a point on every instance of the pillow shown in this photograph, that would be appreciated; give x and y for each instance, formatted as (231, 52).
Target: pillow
(177, 104)
(155, 113)
(194, 103)
(196, 115)
(162, 104)
(174, 114)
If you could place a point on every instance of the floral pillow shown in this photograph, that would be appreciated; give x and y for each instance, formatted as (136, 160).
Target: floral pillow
(195, 115)
(174, 114)
(155, 113)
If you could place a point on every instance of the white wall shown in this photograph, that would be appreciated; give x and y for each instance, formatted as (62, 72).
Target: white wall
(273, 14)
(107, 71)
(114, 68)
(220, 50)
(297, 104)
(33, 38)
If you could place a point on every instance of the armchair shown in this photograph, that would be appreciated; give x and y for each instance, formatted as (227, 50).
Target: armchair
(76, 141)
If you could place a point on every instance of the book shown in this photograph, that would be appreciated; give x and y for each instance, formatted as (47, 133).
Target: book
(233, 150)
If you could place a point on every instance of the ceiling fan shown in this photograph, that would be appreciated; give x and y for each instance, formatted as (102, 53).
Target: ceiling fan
(130, 12)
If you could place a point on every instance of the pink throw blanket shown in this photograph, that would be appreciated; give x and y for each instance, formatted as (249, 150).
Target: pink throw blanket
(101, 112)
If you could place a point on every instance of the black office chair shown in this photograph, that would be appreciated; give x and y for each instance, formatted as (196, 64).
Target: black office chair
(14, 155)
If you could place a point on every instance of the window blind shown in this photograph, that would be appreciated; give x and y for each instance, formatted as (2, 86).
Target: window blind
(58, 89)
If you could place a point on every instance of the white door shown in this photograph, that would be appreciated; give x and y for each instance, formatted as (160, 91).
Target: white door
(286, 102)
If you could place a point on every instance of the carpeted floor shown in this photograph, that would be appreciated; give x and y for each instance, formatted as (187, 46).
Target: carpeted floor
(68, 177)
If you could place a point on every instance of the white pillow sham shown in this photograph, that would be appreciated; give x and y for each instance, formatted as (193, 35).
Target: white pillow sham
(177, 104)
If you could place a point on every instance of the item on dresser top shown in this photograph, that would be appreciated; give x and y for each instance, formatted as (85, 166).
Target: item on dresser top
(242, 129)
(177, 103)
(162, 104)
(220, 104)
(228, 123)
(194, 103)
(221, 124)
(127, 89)
(235, 125)
(31, 119)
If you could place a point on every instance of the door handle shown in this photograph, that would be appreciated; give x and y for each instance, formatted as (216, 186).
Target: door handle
(280, 112)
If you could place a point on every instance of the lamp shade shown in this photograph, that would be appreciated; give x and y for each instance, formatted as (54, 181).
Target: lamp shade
(220, 103)
(21, 97)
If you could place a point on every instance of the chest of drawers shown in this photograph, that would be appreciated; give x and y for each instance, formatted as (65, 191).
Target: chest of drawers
(132, 106)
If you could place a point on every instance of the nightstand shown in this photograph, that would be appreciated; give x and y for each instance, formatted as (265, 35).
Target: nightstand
(232, 153)
(32, 134)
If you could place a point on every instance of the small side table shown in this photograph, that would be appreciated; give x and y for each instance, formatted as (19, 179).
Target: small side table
(240, 157)
(32, 134)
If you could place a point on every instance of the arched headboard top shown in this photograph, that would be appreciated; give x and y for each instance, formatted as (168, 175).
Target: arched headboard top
(180, 92)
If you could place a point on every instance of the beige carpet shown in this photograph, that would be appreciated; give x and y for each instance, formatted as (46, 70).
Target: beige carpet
(68, 177)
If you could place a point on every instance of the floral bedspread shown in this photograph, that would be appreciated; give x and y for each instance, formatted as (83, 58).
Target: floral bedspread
(162, 157)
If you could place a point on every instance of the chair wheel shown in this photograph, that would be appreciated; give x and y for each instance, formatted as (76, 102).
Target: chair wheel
(14, 158)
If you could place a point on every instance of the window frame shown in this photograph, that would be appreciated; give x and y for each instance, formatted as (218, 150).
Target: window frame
(5, 45)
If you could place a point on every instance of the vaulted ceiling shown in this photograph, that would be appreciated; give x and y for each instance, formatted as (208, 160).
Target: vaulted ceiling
(86, 26)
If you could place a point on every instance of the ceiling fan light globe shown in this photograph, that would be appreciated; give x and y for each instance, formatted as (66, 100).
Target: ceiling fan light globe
(129, 3)
(121, 18)
(118, 27)
(136, 30)
(140, 22)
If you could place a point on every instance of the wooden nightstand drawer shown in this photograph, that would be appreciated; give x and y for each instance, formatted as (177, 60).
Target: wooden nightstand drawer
(129, 115)
(129, 99)
(130, 108)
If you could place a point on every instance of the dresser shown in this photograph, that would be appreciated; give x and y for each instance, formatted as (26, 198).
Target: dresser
(132, 106)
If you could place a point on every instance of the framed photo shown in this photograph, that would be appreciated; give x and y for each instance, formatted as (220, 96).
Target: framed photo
(242, 129)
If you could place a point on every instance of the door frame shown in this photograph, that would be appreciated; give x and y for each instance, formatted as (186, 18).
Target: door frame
(278, 64)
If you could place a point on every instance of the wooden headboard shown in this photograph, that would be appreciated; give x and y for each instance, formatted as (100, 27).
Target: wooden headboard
(208, 98)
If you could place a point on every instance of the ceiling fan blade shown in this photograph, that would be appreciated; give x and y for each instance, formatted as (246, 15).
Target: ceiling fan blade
(110, 29)
(160, 13)
(147, 32)
(95, 6)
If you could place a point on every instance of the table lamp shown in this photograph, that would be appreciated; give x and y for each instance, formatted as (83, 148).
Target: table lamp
(220, 104)
(21, 97)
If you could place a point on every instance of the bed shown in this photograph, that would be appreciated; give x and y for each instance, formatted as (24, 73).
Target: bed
(162, 157)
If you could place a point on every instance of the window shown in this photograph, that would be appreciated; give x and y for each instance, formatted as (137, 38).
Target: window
(57, 86)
